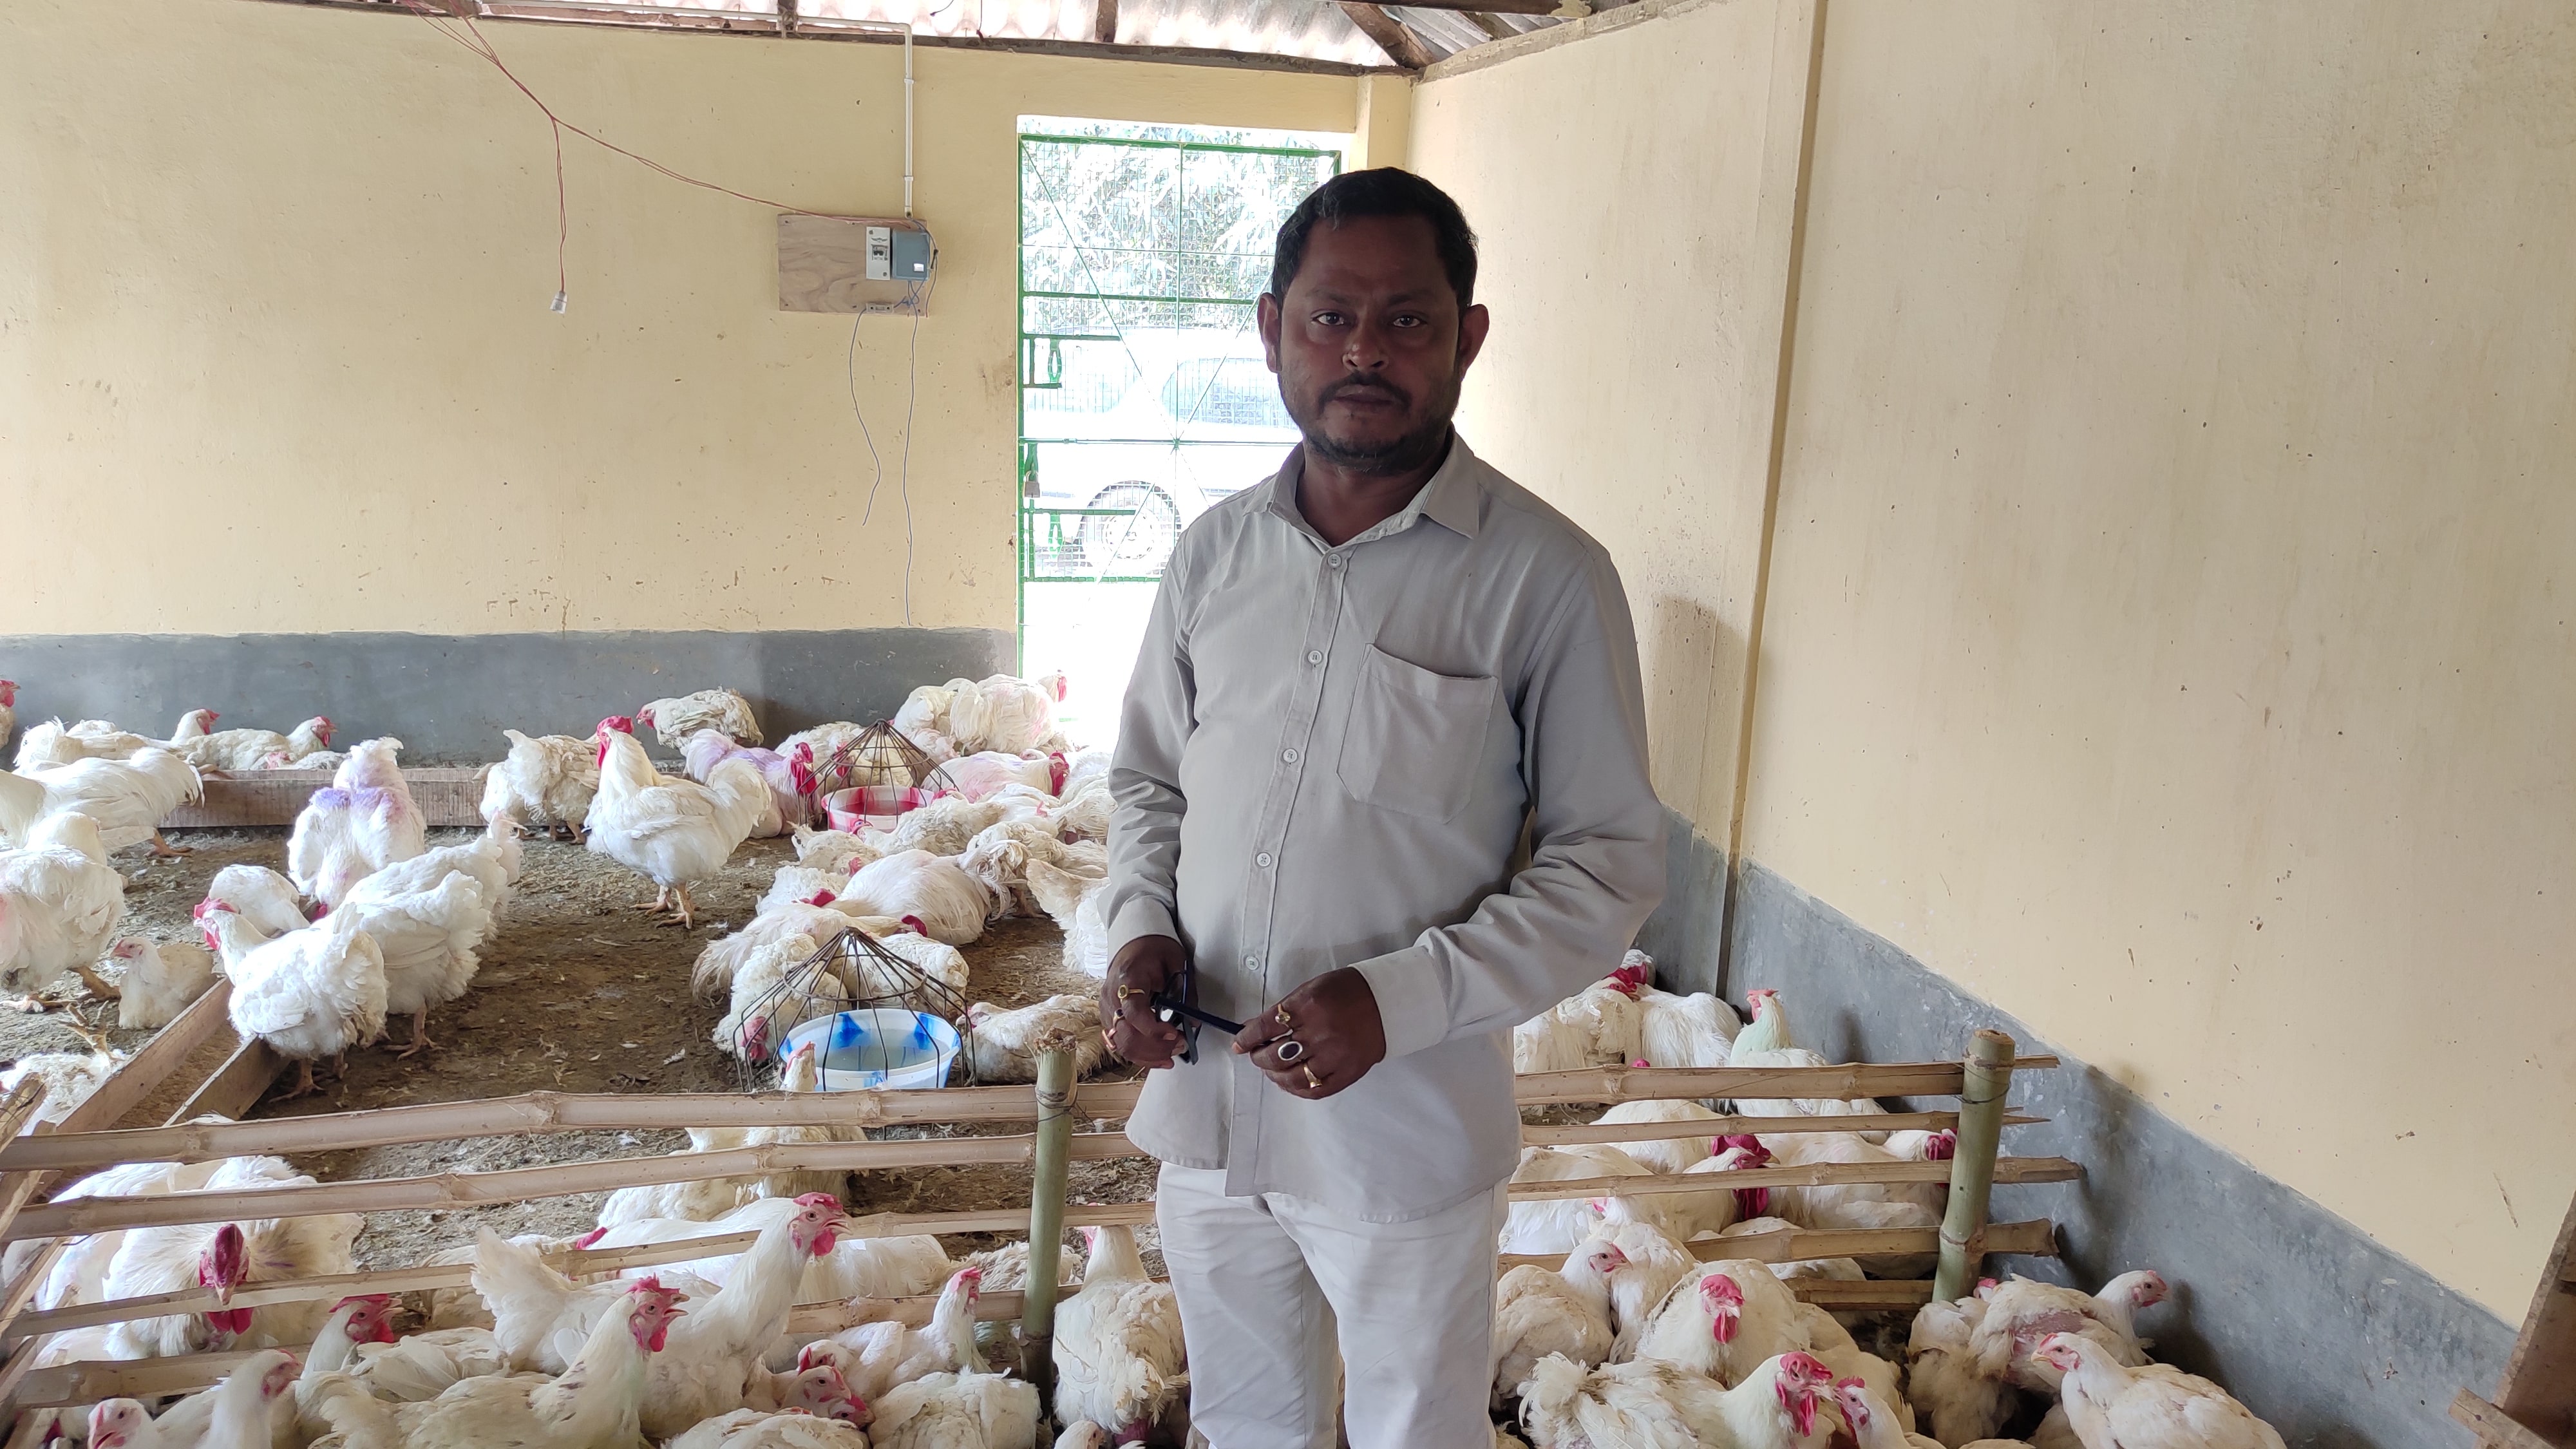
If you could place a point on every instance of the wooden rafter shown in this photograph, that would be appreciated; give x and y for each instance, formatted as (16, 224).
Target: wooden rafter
(1491, 7)
(1401, 45)
(1494, 28)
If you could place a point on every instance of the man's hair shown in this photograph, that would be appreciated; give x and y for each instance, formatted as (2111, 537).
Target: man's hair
(1382, 191)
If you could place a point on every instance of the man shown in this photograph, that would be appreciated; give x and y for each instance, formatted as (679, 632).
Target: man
(1365, 685)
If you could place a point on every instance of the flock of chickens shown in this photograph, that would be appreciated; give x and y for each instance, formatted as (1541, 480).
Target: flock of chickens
(367, 923)
(1632, 1342)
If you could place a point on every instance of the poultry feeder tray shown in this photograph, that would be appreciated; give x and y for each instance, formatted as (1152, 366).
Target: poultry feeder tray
(881, 756)
(872, 807)
(873, 1019)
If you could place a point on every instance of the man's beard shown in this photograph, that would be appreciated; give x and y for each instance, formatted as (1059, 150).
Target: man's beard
(1408, 450)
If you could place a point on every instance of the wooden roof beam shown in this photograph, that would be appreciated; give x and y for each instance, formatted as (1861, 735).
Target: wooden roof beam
(1401, 45)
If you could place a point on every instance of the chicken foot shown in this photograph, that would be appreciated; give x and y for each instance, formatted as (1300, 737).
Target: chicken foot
(419, 1035)
(99, 986)
(164, 850)
(305, 1086)
(27, 1004)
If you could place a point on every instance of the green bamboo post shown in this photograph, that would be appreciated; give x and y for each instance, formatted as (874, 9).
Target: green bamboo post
(1972, 1165)
(1046, 1217)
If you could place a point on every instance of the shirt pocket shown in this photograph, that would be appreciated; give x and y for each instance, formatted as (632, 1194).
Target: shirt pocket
(1415, 739)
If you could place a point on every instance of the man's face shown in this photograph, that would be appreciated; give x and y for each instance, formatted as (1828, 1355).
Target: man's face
(1370, 345)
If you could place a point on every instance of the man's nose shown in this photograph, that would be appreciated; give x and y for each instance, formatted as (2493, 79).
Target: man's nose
(1366, 349)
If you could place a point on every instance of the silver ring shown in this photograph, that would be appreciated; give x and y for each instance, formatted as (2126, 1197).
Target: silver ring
(1291, 1050)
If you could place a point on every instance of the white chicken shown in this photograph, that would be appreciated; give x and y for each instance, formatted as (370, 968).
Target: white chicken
(1597, 1026)
(97, 739)
(1846, 1205)
(672, 831)
(2022, 1311)
(242, 751)
(1962, 1396)
(1663, 1154)
(545, 782)
(493, 861)
(1736, 1317)
(714, 1197)
(1866, 1412)
(1655, 1262)
(1551, 1226)
(1000, 713)
(721, 710)
(1119, 1360)
(800, 885)
(59, 905)
(1082, 812)
(128, 798)
(875, 1358)
(310, 994)
(1695, 1030)
(944, 826)
(422, 1366)
(157, 980)
(999, 856)
(1078, 904)
(983, 775)
(1765, 1043)
(596, 1403)
(771, 1429)
(836, 853)
(2111, 1405)
(258, 895)
(69, 1078)
(958, 1411)
(722, 960)
(362, 822)
(778, 989)
(790, 777)
(79, 1272)
(227, 1257)
(858, 1266)
(1650, 1404)
(1004, 1046)
(425, 940)
(1564, 1311)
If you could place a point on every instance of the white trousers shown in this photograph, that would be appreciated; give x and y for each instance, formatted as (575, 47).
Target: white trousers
(1270, 1286)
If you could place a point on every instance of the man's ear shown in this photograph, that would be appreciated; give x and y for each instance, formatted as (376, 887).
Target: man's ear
(1473, 324)
(1266, 317)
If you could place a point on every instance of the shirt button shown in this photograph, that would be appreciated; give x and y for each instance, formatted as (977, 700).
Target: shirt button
(1314, 656)
(1333, 561)
(1289, 755)
(1262, 860)
(1251, 963)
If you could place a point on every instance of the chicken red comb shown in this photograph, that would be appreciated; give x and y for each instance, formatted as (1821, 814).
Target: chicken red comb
(589, 1238)
(817, 1199)
(1941, 1146)
(917, 926)
(1841, 1384)
(822, 898)
(623, 724)
(1745, 1140)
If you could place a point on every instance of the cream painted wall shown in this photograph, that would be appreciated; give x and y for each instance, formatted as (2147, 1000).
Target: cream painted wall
(275, 353)
(2169, 624)
(2166, 633)
(1632, 195)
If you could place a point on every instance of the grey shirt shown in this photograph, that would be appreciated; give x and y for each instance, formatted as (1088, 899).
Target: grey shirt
(1329, 758)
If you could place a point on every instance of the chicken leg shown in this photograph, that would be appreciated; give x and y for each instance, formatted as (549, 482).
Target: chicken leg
(99, 986)
(305, 1086)
(164, 850)
(419, 1034)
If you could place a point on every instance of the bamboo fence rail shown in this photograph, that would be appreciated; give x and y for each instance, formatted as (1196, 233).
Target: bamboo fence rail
(28, 1159)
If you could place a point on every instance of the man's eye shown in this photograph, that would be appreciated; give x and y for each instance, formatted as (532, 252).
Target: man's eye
(1328, 319)
(1408, 319)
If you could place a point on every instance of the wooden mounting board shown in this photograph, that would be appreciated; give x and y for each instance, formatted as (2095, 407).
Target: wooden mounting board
(823, 265)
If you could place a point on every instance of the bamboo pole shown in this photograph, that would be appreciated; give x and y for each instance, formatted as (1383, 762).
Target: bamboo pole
(145, 1071)
(450, 1191)
(1812, 1174)
(1854, 1079)
(1973, 1171)
(538, 1112)
(1791, 1245)
(1566, 1134)
(1046, 1218)
(580, 1263)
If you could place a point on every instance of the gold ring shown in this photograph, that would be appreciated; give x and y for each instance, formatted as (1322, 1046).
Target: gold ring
(1126, 991)
(1283, 1017)
(1314, 1082)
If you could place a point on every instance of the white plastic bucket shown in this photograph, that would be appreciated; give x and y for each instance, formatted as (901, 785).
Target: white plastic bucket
(878, 1047)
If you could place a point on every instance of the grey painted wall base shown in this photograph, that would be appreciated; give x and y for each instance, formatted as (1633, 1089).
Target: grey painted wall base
(2333, 1338)
(448, 697)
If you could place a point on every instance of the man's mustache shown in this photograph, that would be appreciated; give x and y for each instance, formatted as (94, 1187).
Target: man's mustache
(1363, 383)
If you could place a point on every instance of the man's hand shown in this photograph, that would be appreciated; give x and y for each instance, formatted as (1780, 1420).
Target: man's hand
(1143, 967)
(1333, 1022)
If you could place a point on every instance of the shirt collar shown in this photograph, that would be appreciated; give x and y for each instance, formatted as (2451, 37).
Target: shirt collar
(1453, 497)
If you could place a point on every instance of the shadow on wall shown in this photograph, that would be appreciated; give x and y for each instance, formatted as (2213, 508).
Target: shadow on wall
(448, 697)
(2333, 1338)
(1682, 647)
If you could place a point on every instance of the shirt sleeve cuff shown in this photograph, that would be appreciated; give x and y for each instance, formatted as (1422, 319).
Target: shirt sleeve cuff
(1412, 1007)
(1138, 919)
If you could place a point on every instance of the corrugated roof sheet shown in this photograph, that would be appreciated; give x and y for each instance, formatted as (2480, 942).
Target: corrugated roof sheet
(1315, 29)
